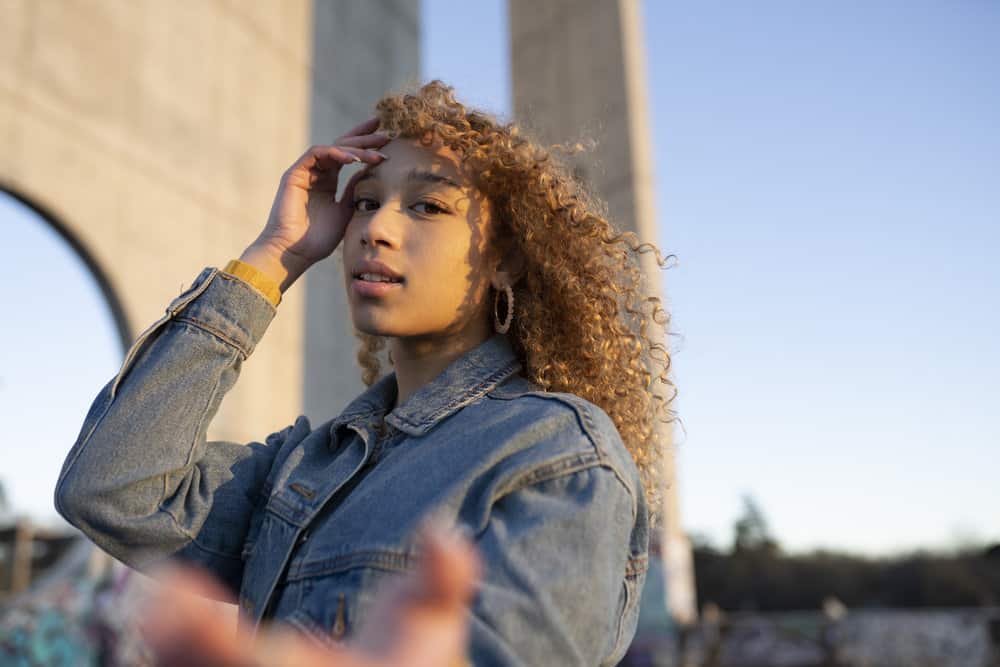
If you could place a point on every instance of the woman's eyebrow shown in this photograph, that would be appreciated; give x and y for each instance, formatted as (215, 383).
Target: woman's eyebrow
(414, 174)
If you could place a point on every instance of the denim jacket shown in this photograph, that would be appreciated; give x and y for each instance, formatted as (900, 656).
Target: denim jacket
(305, 526)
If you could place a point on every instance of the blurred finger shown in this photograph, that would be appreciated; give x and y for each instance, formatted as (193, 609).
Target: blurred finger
(283, 648)
(184, 628)
(450, 565)
(421, 618)
(432, 618)
(185, 631)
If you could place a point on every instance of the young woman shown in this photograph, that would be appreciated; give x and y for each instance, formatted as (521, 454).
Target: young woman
(520, 405)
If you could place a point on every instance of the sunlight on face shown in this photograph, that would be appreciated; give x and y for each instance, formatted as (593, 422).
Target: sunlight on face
(419, 214)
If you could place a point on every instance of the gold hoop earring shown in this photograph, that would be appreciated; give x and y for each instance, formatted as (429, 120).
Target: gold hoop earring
(502, 328)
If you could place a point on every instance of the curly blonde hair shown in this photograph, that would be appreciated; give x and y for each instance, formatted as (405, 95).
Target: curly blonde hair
(582, 317)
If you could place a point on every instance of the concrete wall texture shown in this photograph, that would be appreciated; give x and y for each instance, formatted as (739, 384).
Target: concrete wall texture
(157, 132)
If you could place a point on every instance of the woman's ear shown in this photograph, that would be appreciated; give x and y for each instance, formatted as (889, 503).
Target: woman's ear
(511, 269)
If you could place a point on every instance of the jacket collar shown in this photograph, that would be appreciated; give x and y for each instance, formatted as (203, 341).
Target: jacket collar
(465, 380)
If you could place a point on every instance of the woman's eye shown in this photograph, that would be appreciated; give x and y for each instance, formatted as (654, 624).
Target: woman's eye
(359, 204)
(431, 207)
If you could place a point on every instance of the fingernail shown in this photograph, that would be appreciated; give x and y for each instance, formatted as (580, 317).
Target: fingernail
(356, 158)
(381, 154)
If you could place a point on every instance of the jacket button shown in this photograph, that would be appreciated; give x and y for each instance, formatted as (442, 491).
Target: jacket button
(339, 626)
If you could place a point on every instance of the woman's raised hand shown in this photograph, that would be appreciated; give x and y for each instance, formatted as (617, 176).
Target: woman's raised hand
(306, 222)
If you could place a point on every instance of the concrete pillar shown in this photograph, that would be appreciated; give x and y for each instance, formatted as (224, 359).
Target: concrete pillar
(360, 51)
(578, 72)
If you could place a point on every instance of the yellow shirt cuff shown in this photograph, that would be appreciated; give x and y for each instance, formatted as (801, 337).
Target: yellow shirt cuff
(256, 278)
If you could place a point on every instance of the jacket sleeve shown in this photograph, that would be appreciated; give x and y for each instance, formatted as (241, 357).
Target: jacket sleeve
(557, 588)
(141, 481)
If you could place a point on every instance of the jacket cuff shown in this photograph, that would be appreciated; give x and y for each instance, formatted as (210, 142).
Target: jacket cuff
(251, 274)
(225, 306)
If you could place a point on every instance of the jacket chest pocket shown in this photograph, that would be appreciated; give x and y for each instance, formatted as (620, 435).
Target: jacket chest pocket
(339, 596)
(329, 615)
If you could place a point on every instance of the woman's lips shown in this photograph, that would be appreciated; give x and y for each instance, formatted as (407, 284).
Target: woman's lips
(372, 288)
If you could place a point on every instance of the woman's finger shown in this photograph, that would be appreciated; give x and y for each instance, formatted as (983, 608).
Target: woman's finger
(272, 647)
(327, 177)
(450, 568)
(184, 628)
(369, 155)
(185, 631)
(420, 619)
(326, 158)
(363, 128)
(374, 140)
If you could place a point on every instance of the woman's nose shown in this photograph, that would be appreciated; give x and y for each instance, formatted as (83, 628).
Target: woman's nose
(381, 228)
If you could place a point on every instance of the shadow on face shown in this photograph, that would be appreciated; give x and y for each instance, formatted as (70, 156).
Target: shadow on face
(421, 216)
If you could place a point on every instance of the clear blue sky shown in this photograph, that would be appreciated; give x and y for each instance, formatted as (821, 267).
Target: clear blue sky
(829, 177)
(828, 174)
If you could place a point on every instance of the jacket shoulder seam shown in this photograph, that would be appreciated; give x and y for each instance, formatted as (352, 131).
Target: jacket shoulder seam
(586, 425)
(582, 409)
(553, 469)
(564, 466)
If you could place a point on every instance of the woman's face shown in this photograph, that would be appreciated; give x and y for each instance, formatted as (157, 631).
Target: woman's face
(419, 214)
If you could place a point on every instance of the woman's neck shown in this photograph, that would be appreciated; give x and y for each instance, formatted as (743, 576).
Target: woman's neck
(418, 360)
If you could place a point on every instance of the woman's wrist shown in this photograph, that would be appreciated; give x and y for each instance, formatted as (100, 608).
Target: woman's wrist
(275, 264)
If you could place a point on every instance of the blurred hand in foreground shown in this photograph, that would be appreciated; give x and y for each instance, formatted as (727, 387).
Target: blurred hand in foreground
(419, 619)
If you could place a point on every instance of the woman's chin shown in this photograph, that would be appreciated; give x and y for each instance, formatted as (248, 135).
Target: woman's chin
(374, 326)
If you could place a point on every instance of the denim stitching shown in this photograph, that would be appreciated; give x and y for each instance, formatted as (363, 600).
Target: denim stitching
(621, 619)
(131, 355)
(582, 411)
(565, 465)
(586, 411)
(133, 351)
(303, 622)
(477, 392)
(392, 561)
(589, 428)
(212, 330)
(247, 287)
(182, 301)
(285, 510)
